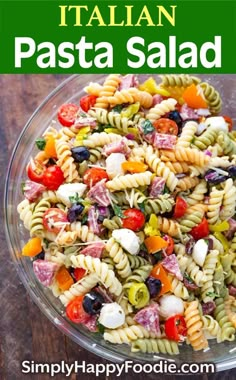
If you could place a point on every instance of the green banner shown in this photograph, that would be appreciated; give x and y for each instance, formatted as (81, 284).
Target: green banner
(68, 36)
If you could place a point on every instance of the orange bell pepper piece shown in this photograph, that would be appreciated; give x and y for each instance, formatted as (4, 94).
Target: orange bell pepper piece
(193, 98)
(50, 149)
(134, 167)
(32, 248)
(159, 272)
(155, 243)
(64, 279)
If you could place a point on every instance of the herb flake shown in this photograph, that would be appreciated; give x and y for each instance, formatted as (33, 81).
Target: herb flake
(46, 242)
(40, 143)
(141, 206)
(118, 211)
(117, 108)
(147, 127)
(75, 198)
(158, 256)
(101, 328)
(188, 278)
(22, 186)
(166, 190)
(212, 294)
(100, 128)
(84, 219)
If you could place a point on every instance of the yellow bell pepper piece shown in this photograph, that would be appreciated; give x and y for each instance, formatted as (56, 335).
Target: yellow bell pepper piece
(81, 135)
(113, 130)
(134, 167)
(133, 131)
(224, 226)
(83, 131)
(130, 110)
(223, 240)
(151, 228)
(32, 248)
(150, 86)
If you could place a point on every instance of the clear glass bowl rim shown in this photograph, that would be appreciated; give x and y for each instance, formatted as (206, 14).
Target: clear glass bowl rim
(36, 293)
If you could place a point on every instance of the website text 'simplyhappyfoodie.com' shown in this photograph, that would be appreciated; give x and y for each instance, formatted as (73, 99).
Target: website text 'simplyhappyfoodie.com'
(162, 366)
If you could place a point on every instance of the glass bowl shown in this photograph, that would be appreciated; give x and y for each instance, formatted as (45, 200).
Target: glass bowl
(70, 91)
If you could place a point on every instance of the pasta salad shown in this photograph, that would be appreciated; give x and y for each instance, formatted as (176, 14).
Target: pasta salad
(130, 206)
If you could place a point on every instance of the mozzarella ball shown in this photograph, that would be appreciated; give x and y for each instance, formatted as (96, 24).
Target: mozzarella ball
(127, 239)
(112, 315)
(171, 305)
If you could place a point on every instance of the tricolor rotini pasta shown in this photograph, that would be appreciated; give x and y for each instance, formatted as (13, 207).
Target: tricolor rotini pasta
(130, 205)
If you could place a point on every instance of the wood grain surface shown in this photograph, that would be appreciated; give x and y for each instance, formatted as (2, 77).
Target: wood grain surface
(25, 333)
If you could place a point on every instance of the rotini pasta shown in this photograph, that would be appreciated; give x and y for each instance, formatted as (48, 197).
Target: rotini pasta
(209, 269)
(207, 138)
(178, 288)
(25, 209)
(187, 183)
(161, 109)
(79, 288)
(152, 346)
(36, 223)
(101, 139)
(186, 138)
(192, 218)
(105, 275)
(193, 156)
(109, 87)
(111, 118)
(182, 80)
(228, 146)
(83, 232)
(212, 96)
(119, 257)
(197, 196)
(160, 169)
(195, 326)
(129, 181)
(127, 334)
(138, 275)
(227, 328)
(211, 326)
(229, 200)
(66, 161)
(215, 202)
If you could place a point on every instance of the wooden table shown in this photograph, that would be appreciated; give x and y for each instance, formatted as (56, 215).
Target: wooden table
(25, 333)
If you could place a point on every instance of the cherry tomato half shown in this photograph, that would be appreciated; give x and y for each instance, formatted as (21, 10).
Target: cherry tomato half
(134, 219)
(166, 126)
(180, 207)
(79, 273)
(67, 114)
(200, 231)
(75, 311)
(54, 219)
(88, 101)
(170, 248)
(53, 177)
(175, 328)
(94, 175)
(35, 171)
(229, 121)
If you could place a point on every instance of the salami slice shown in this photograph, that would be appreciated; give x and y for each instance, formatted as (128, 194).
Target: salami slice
(170, 263)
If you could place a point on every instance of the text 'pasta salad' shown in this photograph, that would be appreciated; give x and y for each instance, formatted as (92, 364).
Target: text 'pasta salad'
(130, 204)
